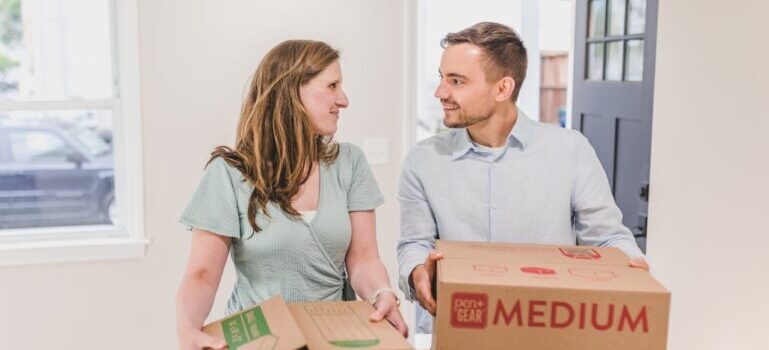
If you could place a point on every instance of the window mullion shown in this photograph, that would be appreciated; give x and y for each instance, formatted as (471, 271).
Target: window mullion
(13, 105)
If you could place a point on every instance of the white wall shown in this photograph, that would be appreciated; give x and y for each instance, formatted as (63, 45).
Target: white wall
(709, 220)
(556, 34)
(196, 59)
(528, 100)
(556, 19)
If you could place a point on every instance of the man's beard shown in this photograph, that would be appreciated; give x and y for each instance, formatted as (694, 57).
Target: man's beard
(466, 120)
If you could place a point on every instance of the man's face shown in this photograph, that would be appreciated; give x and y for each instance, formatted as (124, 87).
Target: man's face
(465, 95)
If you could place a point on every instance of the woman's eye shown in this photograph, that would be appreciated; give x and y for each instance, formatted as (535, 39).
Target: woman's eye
(333, 86)
(456, 81)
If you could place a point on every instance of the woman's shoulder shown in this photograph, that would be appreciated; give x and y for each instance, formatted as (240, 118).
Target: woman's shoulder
(349, 157)
(346, 161)
(349, 153)
(219, 166)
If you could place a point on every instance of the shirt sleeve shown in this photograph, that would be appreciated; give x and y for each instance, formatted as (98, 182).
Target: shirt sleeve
(364, 193)
(213, 206)
(418, 227)
(597, 219)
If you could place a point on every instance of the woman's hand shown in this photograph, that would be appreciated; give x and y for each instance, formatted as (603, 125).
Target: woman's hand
(387, 307)
(194, 339)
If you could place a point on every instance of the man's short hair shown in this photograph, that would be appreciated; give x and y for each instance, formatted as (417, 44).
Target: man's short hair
(503, 49)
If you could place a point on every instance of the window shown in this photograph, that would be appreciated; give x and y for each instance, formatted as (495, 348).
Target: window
(615, 41)
(70, 172)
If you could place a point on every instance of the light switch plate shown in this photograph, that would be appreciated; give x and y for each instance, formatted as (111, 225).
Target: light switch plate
(376, 150)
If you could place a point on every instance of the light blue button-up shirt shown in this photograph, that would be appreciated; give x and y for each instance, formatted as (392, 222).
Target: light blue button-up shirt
(547, 186)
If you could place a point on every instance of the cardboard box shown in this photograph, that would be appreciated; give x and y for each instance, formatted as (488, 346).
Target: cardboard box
(268, 325)
(511, 296)
(317, 326)
(345, 325)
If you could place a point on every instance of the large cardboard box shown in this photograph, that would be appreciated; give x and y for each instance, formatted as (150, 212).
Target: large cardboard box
(511, 296)
(317, 326)
(345, 325)
(268, 325)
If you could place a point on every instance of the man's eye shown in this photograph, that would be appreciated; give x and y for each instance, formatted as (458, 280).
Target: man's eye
(456, 81)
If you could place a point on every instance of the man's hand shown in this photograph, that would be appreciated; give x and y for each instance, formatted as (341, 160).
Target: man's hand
(422, 277)
(639, 263)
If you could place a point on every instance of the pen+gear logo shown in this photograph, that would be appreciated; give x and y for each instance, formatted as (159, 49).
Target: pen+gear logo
(469, 310)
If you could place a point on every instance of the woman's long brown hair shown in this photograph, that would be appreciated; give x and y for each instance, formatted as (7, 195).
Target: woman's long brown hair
(275, 146)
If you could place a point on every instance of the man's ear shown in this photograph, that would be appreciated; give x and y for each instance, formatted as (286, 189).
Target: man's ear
(504, 89)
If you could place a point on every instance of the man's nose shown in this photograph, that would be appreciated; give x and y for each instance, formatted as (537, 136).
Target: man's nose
(440, 92)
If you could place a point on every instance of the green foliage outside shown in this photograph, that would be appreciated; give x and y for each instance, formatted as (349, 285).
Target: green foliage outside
(10, 36)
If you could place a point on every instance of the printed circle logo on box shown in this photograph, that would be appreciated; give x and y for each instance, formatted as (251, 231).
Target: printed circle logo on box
(469, 310)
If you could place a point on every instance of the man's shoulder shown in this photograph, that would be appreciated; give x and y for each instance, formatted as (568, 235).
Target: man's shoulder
(436, 145)
(431, 152)
(554, 135)
(552, 130)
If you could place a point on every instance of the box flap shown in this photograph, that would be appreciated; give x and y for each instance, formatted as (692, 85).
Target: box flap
(268, 325)
(533, 252)
(345, 325)
(547, 275)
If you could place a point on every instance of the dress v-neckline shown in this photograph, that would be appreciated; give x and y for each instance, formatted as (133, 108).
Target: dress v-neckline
(317, 209)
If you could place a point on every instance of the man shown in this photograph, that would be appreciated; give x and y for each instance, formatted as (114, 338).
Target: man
(497, 176)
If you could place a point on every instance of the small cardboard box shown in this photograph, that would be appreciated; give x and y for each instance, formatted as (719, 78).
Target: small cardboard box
(345, 325)
(268, 325)
(317, 326)
(512, 296)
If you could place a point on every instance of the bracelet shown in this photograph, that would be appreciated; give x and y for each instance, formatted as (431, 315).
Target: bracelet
(373, 298)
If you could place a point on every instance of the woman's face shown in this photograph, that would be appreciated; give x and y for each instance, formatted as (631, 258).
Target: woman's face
(323, 97)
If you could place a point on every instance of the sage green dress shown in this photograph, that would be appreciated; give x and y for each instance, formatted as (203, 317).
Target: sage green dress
(298, 260)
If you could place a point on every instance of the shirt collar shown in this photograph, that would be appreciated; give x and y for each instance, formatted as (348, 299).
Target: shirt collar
(519, 135)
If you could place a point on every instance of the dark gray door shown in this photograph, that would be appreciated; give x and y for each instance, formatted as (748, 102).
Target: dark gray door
(613, 96)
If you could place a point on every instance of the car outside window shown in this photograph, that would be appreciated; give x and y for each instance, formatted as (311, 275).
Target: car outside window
(31, 146)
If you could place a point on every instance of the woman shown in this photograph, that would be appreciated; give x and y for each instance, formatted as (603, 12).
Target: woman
(294, 209)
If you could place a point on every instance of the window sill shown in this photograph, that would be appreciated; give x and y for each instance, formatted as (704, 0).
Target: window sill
(27, 253)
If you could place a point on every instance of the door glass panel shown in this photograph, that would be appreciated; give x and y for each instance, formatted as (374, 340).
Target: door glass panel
(614, 60)
(597, 19)
(617, 17)
(634, 61)
(636, 19)
(595, 61)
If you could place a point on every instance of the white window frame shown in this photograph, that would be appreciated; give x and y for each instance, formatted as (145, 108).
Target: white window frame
(88, 243)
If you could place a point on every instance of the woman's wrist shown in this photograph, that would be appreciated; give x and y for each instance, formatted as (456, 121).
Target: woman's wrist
(186, 329)
(381, 292)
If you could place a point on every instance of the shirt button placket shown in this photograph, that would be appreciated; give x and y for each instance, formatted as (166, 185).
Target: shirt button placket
(492, 202)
